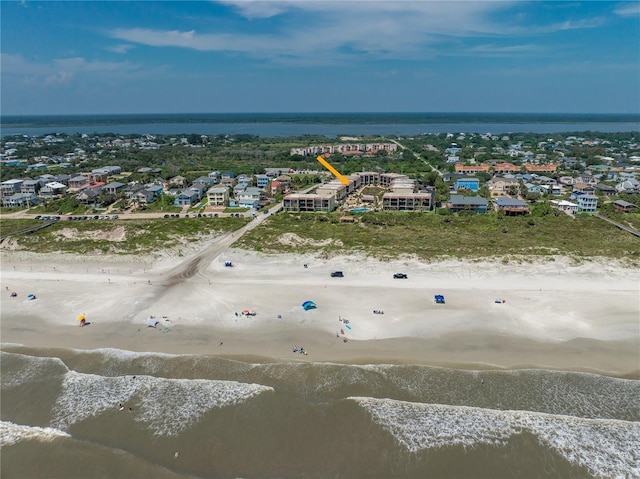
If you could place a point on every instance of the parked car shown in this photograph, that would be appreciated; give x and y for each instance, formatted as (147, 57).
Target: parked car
(400, 276)
(337, 274)
(167, 215)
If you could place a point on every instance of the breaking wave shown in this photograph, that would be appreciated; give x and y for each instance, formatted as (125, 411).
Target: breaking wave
(165, 406)
(606, 447)
(20, 369)
(11, 433)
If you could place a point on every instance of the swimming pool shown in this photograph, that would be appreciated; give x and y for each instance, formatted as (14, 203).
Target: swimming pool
(359, 210)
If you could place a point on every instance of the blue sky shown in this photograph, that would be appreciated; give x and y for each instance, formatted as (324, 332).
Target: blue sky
(91, 57)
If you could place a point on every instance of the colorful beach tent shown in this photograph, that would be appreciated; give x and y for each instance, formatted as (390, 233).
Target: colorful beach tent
(439, 299)
(307, 305)
(31, 296)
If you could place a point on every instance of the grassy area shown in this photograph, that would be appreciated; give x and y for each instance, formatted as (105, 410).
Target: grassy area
(162, 204)
(389, 235)
(118, 237)
(235, 210)
(11, 226)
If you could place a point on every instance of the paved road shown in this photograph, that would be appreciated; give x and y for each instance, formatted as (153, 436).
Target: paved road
(417, 155)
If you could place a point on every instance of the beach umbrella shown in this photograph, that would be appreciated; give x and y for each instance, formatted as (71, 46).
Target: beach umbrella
(81, 317)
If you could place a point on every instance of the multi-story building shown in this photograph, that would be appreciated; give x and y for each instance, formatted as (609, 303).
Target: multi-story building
(309, 203)
(471, 184)
(587, 203)
(499, 186)
(407, 201)
(218, 196)
(10, 187)
(459, 203)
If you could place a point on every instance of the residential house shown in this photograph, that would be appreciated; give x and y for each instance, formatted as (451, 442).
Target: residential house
(606, 189)
(206, 181)
(199, 189)
(37, 166)
(499, 186)
(249, 198)
(179, 181)
(218, 196)
(628, 186)
(108, 170)
(553, 190)
(53, 189)
(584, 188)
(17, 200)
(186, 198)
(228, 175)
(471, 184)
(273, 172)
(276, 187)
(367, 179)
(531, 188)
(587, 203)
(458, 203)
(243, 180)
(154, 188)
(564, 206)
(144, 197)
(131, 190)
(10, 187)
(62, 178)
(624, 206)
(511, 206)
(113, 188)
(262, 181)
(30, 187)
(568, 180)
(89, 195)
(79, 181)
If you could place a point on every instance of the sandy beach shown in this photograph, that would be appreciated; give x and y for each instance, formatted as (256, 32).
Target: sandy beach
(555, 315)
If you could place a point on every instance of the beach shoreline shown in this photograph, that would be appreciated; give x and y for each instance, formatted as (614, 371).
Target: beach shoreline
(557, 314)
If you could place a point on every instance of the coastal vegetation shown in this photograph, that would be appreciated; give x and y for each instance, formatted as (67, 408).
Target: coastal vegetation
(139, 236)
(430, 236)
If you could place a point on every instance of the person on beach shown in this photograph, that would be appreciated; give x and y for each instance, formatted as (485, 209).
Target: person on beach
(120, 407)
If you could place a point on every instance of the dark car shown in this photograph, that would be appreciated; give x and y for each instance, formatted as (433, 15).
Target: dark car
(400, 276)
(337, 274)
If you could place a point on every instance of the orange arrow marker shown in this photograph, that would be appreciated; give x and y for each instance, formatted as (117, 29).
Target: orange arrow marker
(343, 179)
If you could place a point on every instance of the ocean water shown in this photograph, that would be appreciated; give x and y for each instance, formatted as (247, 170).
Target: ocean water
(322, 124)
(205, 417)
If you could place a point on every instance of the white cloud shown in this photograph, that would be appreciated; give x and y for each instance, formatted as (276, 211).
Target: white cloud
(121, 48)
(60, 70)
(338, 31)
(628, 9)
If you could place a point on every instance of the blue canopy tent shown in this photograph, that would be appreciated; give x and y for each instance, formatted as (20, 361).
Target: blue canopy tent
(439, 299)
(307, 305)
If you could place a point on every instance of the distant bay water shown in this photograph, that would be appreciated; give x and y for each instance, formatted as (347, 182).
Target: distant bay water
(322, 124)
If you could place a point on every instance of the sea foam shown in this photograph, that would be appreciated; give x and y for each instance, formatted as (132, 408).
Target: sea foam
(165, 406)
(11, 433)
(606, 447)
(19, 369)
